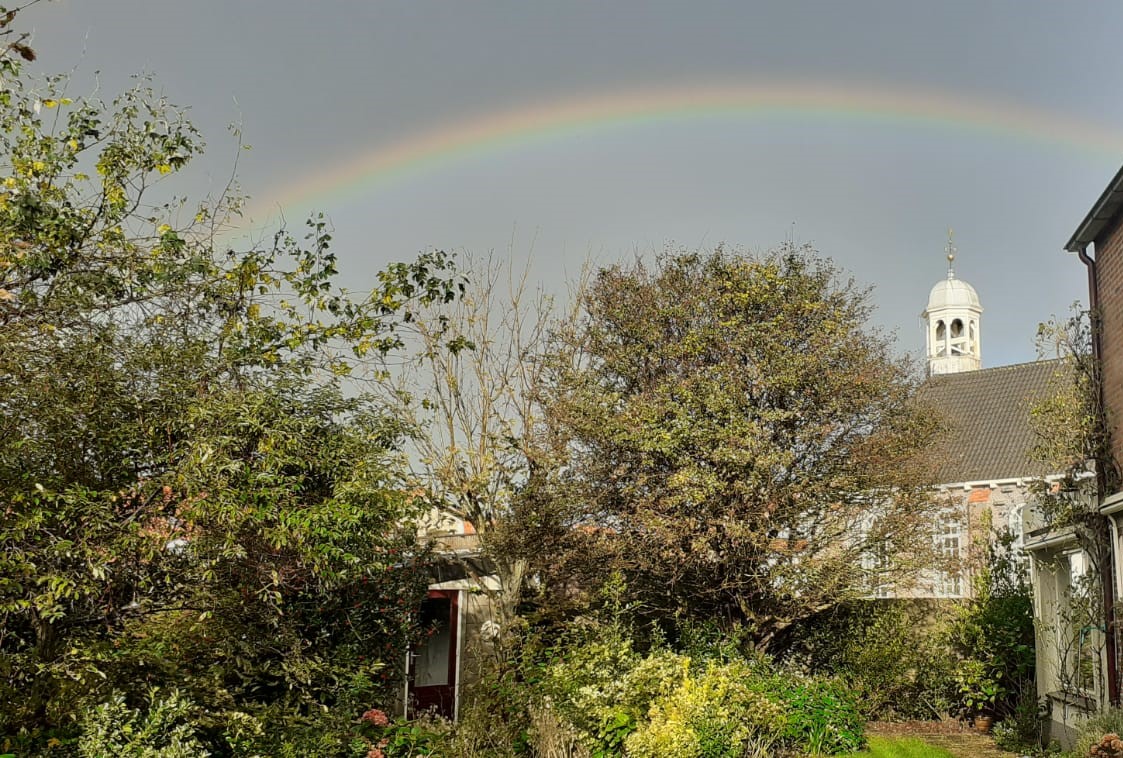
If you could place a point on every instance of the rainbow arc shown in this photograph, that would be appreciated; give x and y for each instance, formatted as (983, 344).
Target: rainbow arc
(817, 103)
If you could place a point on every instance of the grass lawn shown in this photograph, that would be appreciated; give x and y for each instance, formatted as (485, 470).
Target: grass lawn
(901, 747)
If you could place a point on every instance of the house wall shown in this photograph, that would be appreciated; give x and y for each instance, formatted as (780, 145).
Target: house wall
(1109, 275)
(478, 649)
(1069, 650)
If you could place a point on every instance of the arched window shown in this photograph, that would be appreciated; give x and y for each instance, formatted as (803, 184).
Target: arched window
(958, 344)
(941, 338)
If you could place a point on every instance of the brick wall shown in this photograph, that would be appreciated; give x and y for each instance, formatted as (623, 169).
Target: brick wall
(1109, 273)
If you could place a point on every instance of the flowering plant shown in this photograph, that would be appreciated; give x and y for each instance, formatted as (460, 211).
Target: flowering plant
(398, 738)
(1109, 746)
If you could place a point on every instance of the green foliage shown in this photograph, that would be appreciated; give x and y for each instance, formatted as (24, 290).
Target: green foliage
(1069, 422)
(603, 687)
(190, 499)
(891, 654)
(822, 714)
(714, 714)
(715, 704)
(994, 635)
(1021, 730)
(979, 688)
(400, 738)
(729, 421)
(498, 709)
(163, 730)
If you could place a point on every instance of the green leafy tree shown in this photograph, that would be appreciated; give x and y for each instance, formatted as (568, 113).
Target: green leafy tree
(187, 495)
(740, 438)
(1070, 426)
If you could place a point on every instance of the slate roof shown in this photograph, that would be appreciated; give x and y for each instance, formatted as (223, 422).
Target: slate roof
(987, 412)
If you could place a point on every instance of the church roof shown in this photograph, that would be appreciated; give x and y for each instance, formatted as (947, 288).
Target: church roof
(952, 293)
(988, 414)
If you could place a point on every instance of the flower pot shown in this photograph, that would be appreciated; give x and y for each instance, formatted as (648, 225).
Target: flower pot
(983, 724)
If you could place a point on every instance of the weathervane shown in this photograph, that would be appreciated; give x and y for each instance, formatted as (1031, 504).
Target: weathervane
(951, 252)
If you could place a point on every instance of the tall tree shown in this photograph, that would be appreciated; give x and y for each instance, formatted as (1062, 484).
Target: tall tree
(742, 437)
(187, 496)
(470, 390)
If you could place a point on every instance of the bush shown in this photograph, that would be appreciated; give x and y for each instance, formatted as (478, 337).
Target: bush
(822, 714)
(1092, 733)
(163, 730)
(890, 653)
(382, 737)
(994, 634)
(718, 704)
(603, 687)
(1020, 731)
(713, 715)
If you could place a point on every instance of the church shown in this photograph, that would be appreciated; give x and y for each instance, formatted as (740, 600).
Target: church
(984, 463)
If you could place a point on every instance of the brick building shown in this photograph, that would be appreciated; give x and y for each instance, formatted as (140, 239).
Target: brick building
(1078, 650)
(1077, 574)
(985, 464)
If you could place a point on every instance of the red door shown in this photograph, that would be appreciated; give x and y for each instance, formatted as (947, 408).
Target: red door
(432, 670)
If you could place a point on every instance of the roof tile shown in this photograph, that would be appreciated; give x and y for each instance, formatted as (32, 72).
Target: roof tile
(988, 414)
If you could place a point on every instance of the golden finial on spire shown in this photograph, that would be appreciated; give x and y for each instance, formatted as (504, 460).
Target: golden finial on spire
(951, 252)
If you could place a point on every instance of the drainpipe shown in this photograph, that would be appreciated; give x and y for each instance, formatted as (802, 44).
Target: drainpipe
(1107, 572)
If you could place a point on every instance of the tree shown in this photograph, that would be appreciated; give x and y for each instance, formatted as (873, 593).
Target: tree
(470, 390)
(741, 437)
(1069, 424)
(188, 497)
(1073, 439)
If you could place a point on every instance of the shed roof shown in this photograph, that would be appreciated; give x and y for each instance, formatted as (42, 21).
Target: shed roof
(988, 412)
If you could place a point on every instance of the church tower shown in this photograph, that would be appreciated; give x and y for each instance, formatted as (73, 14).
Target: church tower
(952, 324)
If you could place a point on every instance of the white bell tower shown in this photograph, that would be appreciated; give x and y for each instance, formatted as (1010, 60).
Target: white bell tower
(952, 323)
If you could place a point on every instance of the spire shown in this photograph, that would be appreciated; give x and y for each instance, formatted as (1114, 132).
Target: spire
(950, 250)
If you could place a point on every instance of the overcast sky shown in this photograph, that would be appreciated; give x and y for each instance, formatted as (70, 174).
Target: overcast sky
(864, 128)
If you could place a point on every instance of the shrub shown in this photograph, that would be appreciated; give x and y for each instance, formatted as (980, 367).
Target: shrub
(890, 653)
(994, 633)
(497, 699)
(822, 714)
(1093, 731)
(1020, 731)
(552, 737)
(713, 715)
(163, 730)
(383, 737)
(709, 705)
(603, 687)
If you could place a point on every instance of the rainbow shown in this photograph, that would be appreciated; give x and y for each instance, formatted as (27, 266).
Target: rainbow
(584, 116)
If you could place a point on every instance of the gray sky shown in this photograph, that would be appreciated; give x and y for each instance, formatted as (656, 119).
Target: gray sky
(999, 119)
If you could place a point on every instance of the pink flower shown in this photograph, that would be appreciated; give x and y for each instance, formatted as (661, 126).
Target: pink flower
(376, 753)
(377, 718)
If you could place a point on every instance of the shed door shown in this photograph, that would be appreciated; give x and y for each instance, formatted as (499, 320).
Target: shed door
(432, 675)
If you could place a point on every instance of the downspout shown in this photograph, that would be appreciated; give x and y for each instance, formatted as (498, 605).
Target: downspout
(1107, 571)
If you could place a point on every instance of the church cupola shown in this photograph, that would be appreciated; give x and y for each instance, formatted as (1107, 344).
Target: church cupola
(952, 323)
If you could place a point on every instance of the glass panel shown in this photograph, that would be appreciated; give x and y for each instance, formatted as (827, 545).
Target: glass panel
(433, 656)
(948, 543)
